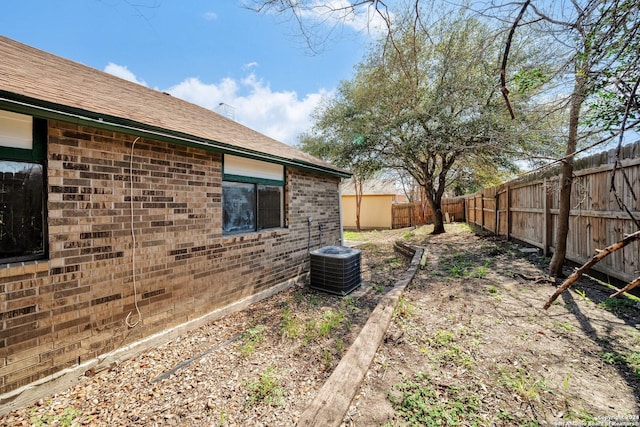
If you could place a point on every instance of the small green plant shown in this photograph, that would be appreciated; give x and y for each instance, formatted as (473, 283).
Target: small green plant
(349, 302)
(66, 418)
(524, 384)
(251, 338)
(565, 382)
(564, 325)
(408, 234)
(619, 306)
(404, 308)
(420, 403)
(329, 322)
(290, 327)
(328, 357)
(442, 338)
(223, 417)
(582, 294)
(378, 288)
(266, 389)
(352, 235)
(494, 292)
(481, 271)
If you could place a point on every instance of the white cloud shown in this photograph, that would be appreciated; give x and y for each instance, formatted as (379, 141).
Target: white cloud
(210, 16)
(123, 72)
(249, 66)
(280, 115)
(364, 18)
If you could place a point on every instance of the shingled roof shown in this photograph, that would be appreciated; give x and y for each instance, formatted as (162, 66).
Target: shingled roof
(40, 83)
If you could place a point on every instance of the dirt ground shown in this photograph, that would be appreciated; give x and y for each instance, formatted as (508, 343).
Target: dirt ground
(469, 345)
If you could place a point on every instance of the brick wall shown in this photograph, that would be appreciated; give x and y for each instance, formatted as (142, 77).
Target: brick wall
(60, 312)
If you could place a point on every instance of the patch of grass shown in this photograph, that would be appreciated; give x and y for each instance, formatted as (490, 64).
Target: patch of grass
(66, 418)
(481, 272)
(624, 306)
(251, 338)
(524, 384)
(404, 308)
(494, 292)
(351, 235)
(442, 338)
(349, 303)
(564, 326)
(330, 320)
(266, 389)
(290, 327)
(328, 357)
(394, 262)
(419, 403)
(630, 359)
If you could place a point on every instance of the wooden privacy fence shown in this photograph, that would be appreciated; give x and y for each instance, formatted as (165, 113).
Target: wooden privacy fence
(410, 214)
(528, 211)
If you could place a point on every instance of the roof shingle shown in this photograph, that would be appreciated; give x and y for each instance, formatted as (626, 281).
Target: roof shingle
(28, 72)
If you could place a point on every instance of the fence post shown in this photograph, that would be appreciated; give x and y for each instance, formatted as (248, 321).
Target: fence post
(482, 210)
(496, 231)
(546, 221)
(508, 213)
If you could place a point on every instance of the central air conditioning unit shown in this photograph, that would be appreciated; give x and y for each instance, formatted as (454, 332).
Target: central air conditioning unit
(335, 269)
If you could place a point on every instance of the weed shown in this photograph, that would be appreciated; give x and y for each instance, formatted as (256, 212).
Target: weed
(582, 294)
(442, 338)
(251, 338)
(266, 389)
(349, 302)
(223, 417)
(564, 325)
(310, 331)
(481, 271)
(565, 382)
(408, 234)
(631, 359)
(66, 418)
(328, 357)
(329, 322)
(619, 305)
(419, 403)
(352, 235)
(290, 327)
(524, 384)
(378, 288)
(404, 308)
(494, 292)
(339, 345)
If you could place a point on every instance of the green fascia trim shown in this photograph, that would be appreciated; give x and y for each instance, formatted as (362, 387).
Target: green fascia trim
(48, 110)
(252, 180)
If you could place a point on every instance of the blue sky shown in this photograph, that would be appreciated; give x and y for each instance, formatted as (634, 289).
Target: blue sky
(206, 52)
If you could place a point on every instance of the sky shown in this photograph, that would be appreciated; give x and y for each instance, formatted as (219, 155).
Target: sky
(204, 51)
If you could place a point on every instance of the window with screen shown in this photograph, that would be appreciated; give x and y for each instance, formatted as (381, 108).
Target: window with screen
(252, 195)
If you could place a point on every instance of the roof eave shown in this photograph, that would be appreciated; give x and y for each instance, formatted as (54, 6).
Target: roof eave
(47, 110)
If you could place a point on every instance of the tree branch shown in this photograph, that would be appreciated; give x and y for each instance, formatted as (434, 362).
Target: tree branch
(593, 261)
(505, 57)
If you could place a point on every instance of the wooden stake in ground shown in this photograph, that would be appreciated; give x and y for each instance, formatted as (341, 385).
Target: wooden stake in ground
(593, 261)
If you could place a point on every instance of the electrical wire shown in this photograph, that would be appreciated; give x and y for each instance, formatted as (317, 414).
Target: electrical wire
(133, 248)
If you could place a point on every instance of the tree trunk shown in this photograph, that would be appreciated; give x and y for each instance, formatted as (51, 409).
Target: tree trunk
(437, 217)
(566, 179)
(358, 187)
